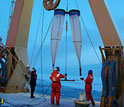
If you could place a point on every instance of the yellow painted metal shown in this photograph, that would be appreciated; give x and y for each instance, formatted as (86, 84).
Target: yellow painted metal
(10, 66)
(104, 22)
(113, 47)
(17, 40)
(14, 25)
(2, 101)
(24, 24)
(23, 32)
(17, 81)
(19, 29)
(22, 55)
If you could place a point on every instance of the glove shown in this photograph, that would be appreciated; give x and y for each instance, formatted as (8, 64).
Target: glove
(82, 78)
(65, 74)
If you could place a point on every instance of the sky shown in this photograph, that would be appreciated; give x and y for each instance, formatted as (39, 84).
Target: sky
(88, 56)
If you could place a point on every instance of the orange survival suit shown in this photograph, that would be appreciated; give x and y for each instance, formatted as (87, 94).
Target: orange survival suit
(56, 85)
(88, 87)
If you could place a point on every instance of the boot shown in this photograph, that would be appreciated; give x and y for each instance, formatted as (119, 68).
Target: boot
(32, 96)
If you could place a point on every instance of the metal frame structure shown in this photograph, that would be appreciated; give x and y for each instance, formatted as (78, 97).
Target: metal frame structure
(116, 54)
(113, 49)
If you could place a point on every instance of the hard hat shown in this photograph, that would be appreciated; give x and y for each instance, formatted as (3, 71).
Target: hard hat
(33, 69)
(90, 72)
(28, 65)
(57, 68)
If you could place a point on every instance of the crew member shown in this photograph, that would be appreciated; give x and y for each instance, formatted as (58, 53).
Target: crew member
(2, 53)
(56, 85)
(27, 75)
(88, 86)
(33, 81)
(1, 43)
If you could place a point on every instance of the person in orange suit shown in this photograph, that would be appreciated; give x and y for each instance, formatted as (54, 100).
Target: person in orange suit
(56, 85)
(88, 86)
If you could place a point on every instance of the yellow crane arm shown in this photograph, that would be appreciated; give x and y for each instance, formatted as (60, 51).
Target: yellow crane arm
(104, 22)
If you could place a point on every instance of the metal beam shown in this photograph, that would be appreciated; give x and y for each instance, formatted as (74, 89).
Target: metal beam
(104, 22)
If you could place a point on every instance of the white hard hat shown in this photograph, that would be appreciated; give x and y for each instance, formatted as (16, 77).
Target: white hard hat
(28, 65)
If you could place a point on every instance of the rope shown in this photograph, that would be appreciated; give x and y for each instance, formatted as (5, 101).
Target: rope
(42, 94)
(88, 35)
(35, 38)
(66, 48)
(35, 58)
(41, 48)
(67, 6)
(66, 40)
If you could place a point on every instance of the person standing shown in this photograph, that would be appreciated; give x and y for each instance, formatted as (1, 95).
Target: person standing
(1, 43)
(56, 85)
(33, 82)
(88, 86)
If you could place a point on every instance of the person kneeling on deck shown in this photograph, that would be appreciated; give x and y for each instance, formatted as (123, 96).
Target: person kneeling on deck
(33, 81)
(56, 85)
(88, 86)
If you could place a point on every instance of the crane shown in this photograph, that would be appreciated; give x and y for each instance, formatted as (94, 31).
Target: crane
(16, 48)
(112, 51)
(17, 77)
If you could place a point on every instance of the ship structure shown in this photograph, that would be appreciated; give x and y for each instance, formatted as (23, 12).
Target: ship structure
(14, 58)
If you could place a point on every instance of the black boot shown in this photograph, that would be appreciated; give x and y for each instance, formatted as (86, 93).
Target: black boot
(32, 96)
(93, 104)
(32, 92)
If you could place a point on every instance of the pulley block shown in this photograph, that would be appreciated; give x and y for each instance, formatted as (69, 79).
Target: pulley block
(50, 4)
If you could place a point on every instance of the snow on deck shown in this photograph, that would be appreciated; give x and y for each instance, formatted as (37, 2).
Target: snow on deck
(24, 100)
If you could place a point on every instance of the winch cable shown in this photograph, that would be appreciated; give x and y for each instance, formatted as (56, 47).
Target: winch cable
(41, 50)
(66, 41)
(36, 37)
(88, 34)
(36, 56)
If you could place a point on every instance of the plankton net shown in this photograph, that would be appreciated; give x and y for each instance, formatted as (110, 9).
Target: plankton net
(76, 33)
(56, 32)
